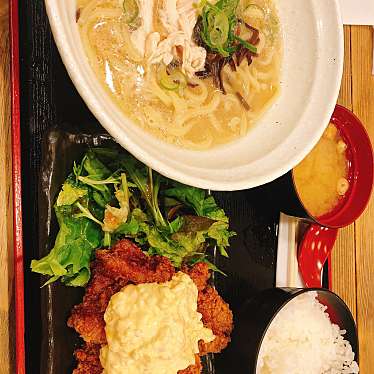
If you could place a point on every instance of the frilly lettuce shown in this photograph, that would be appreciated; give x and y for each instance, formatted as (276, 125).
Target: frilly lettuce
(110, 196)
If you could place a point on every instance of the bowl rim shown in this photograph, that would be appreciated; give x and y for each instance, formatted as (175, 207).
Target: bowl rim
(171, 170)
(354, 204)
(292, 293)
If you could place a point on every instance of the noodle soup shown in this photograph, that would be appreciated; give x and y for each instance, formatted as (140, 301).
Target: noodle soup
(195, 74)
(321, 179)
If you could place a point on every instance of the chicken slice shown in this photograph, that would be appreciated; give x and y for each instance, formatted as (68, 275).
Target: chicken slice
(139, 36)
(178, 18)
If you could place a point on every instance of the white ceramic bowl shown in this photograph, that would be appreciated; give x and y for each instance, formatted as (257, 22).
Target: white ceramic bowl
(311, 75)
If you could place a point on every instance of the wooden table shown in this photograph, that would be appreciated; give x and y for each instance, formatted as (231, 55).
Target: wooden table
(353, 258)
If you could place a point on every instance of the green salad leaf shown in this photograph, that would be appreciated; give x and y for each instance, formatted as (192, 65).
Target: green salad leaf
(70, 193)
(197, 199)
(70, 257)
(110, 196)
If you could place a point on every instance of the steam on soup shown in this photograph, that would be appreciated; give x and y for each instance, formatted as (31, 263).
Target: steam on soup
(321, 179)
(194, 73)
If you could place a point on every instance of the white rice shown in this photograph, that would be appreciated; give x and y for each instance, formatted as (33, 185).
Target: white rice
(302, 340)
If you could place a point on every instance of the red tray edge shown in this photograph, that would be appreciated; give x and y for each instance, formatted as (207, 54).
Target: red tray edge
(16, 184)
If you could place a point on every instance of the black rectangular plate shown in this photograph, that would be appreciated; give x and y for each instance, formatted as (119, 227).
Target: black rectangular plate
(249, 269)
(48, 102)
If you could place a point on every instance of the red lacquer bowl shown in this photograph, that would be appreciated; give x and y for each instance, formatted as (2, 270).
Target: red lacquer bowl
(361, 170)
(319, 239)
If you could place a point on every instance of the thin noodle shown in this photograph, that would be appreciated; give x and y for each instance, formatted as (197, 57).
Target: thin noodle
(262, 76)
(178, 102)
(192, 94)
(131, 52)
(267, 60)
(234, 123)
(251, 80)
(92, 57)
(180, 118)
(215, 122)
(262, 43)
(161, 94)
(86, 11)
(197, 109)
(243, 126)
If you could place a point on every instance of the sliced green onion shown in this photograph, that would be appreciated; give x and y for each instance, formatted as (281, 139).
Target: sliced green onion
(210, 16)
(247, 45)
(217, 29)
(254, 11)
(228, 6)
(219, 23)
(172, 82)
(221, 28)
(131, 11)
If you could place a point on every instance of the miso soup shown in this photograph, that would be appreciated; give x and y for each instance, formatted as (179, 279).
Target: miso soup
(321, 179)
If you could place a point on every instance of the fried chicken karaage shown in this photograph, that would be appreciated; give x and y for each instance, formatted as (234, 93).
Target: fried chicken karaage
(126, 264)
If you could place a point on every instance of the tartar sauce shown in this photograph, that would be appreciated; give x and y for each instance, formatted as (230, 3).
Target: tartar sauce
(153, 328)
